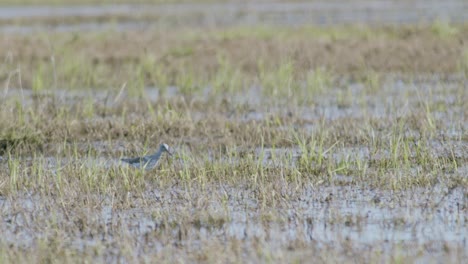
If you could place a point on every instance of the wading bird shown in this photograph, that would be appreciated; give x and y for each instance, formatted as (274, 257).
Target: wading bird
(148, 162)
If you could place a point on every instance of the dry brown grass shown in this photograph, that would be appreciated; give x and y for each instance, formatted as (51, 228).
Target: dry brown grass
(110, 59)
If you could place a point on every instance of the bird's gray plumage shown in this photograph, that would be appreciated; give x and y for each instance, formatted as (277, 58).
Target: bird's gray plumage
(150, 161)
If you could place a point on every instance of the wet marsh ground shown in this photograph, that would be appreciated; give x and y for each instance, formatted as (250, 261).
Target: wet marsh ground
(292, 144)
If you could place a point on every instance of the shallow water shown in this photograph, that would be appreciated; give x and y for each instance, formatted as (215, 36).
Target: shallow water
(247, 13)
(364, 217)
(394, 98)
(334, 210)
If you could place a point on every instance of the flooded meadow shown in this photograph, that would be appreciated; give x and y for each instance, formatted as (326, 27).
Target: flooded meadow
(294, 141)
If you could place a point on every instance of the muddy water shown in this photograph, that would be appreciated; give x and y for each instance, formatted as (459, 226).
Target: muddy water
(246, 13)
(394, 99)
(321, 216)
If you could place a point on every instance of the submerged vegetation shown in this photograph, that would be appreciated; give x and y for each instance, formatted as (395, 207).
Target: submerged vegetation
(344, 143)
